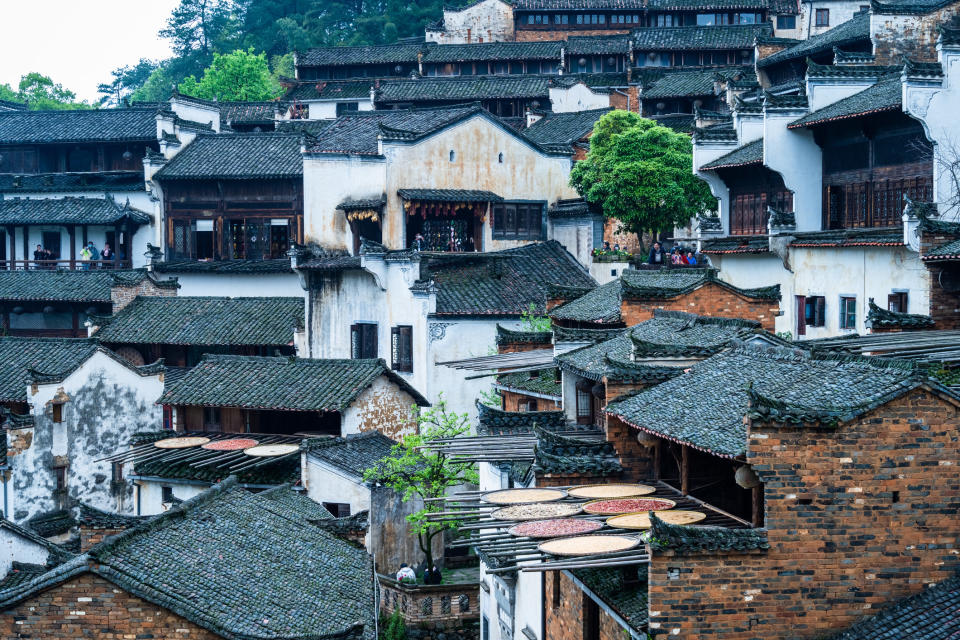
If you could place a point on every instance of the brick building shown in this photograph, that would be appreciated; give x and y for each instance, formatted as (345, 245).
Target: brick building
(226, 564)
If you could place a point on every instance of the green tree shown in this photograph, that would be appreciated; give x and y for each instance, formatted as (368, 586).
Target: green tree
(420, 473)
(156, 88)
(199, 28)
(41, 92)
(7, 93)
(641, 174)
(126, 80)
(241, 75)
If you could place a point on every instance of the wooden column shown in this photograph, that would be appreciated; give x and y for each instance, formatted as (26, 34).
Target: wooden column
(12, 234)
(757, 506)
(118, 232)
(684, 469)
(72, 230)
(26, 243)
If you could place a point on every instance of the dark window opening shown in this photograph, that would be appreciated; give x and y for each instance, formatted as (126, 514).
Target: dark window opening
(347, 107)
(518, 220)
(895, 497)
(117, 472)
(363, 341)
(786, 22)
(211, 418)
(556, 589)
(591, 618)
(813, 313)
(401, 348)
(60, 473)
(823, 17)
(58, 412)
(584, 403)
(338, 509)
(848, 312)
(166, 494)
(897, 301)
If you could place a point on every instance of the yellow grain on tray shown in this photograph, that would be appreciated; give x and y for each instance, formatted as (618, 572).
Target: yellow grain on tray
(593, 491)
(588, 545)
(642, 520)
(523, 496)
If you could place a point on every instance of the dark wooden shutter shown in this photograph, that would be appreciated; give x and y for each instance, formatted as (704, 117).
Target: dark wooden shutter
(401, 348)
(801, 315)
(818, 318)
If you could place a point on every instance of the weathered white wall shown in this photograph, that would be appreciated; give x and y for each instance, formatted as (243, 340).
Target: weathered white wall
(326, 483)
(576, 236)
(236, 285)
(327, 109)
(526, 173)
(16, 548)
(935, 106)
(705, 153)
(196, 111)
(150, 498)
(604, 272)
(822, 92)
(488, 21)
(383, 407)
(328, 180)
(108, 403)
(798, 159)
(578, 97)
(840, 12)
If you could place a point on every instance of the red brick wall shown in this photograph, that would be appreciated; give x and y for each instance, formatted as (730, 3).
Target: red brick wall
(627, 240)
(90, 536)
(944, 305)
(618, 101)
(709, 300)
(564, 621)
(90, 607)
(637, 461)
(124, 295)
(843, 544)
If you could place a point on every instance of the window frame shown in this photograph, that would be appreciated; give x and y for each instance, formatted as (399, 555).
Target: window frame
(822, 18)
(814, 312)
(507, 218)
(364, 340)
(584, 402)
(900, 300)
(338, 509)
(401, 348)
(848, 316)
(786, 22)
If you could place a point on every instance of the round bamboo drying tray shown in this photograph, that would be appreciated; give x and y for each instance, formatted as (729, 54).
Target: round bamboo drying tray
(536, 511)
(233, 444)
(181, 443)
(271, 450)
(627, 505)
(523, 496)
(558, 528)
(607, 491)
(588, 545)
(642, 520)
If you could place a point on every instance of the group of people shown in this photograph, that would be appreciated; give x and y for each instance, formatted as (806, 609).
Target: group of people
(677, 256)
(431, 575)
(89, 255)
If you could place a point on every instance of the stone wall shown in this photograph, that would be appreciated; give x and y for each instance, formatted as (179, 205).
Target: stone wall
(711, 299)
(436, 606)
(858, 516)
(90, 607)
(122, 295)
(914, 36)
(628, 240)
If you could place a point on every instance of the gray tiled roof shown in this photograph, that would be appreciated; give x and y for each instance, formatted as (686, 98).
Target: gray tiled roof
(630, 602)
(239, 564)
(885, 95)
(869, 237)
(503, 283)
(276, 265)
(688, 540)
(693, 83)
(279, 383)
(357, 132)
(705, 5)
(598, 45)
(946, 251)
(750, 153)
(737, 244)
(901, 7)
(549, 5)
(545, 382)
(69, 210)
(99, 181)
(705, 407)
(546, 50)
(237, 156)
(249, 112)
(67, 286)
(564, 128)
(114, 125)
(330, 90)
(296, 502)
(931, 614)
(267, 321)
(464, 88)
(880, 318)
(354, 454)
(602, 305)
(343, 56)
(698, 38)
(449, 195)
(19, 356)
(854, 31)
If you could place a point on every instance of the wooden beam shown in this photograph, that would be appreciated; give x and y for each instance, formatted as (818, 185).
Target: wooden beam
(684, 469)
(12, 233)
(72, 231)
(757, 506)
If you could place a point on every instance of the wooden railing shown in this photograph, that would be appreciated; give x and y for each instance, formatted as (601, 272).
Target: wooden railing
(435, 604)
(69, 265)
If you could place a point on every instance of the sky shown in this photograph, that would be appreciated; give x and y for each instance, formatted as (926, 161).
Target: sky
(78, 43)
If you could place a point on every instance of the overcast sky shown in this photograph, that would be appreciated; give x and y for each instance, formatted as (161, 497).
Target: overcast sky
(77, 43)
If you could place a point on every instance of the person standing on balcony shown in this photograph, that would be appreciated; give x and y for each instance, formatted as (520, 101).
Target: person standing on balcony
(106, 255)
(657, 255)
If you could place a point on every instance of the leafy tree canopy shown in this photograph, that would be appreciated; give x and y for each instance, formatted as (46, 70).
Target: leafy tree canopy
(126, 80)
(41, 92)
(641, 173)
(241, 75)
(420, 473)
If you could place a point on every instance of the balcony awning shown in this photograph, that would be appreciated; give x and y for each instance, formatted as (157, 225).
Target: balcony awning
(446, 202)
(67, 211)
(364, 208)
